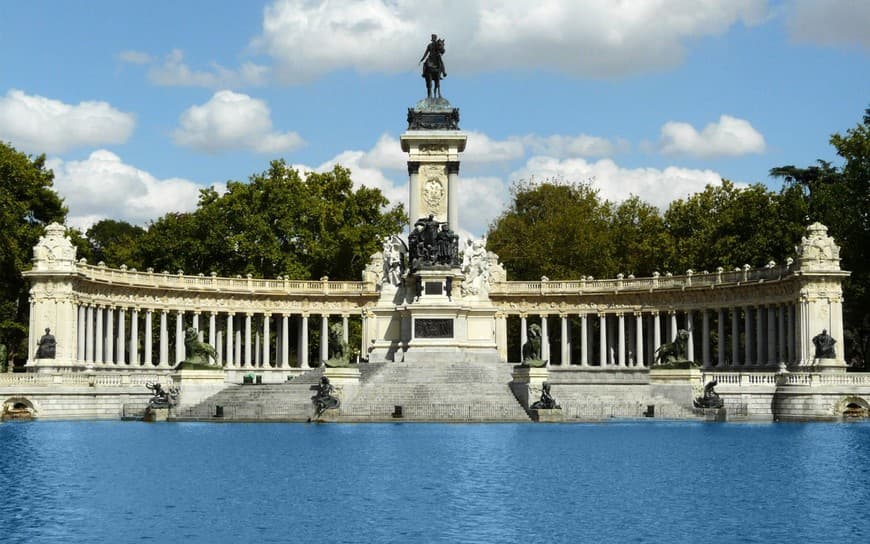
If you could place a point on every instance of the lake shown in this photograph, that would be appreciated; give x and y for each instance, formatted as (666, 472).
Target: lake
(76, 482)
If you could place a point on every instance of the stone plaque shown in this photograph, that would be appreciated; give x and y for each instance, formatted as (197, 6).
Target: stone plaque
(433, 288)
(433, 328)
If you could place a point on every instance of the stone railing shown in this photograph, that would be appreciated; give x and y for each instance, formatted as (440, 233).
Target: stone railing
(83, 379)
(736, 277)
(201, 282)
(812, 379)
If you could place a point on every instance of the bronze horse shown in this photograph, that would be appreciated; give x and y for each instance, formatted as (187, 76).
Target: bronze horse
(433, 67)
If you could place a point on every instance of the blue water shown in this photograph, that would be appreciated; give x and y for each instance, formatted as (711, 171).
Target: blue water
(75, 482)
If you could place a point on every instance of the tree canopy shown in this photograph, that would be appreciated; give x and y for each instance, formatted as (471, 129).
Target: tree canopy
(279, 223)
(27, 204)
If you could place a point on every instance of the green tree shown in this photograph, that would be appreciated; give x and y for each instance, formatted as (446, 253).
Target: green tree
(728, 226)
(114, 242)
(554, 229)
(27, 204)
(640, 240)
(279, 223)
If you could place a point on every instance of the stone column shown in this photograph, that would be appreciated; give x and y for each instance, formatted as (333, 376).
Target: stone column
(657, 334)
(285, 340)
(164, 338)
(638, 339)
(735, 336)
(414, 202)
(212, 328)
(780, 333)
(748, 357)
(133, 350)
(267, 339)
(180, 355)
(453, 195)
(672, 327)
(602, 339)
(80, 333)
(501, 336)
(345, 328)
(219, 347)
(565, 345)
(690, 327)
(771, 335)
(231, 360)
(324, 337)
(237, 345)
(121, 358)
(303, 342)
(759, 337)
(110, 335)
(134, 337)
(720, 343)
(584, 341)
(789, 332)
(545, 340)
(149, 339)
(620, 338)
(249, 362)
(89, 333)
(705, 338)
(524, 334)
(99, 341)
(195, 325)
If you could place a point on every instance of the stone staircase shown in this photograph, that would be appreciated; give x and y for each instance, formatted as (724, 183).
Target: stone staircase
(289, 401)
(436, 391)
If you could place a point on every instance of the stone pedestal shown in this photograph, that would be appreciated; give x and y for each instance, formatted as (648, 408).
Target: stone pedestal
(829, 366)
(195, 386)
(156, 414)
(328, 416)
(688, 376)
(527, 384)
(553, 415)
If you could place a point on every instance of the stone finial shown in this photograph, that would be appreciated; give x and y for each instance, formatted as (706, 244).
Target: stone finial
(54, 251)
(817, 250)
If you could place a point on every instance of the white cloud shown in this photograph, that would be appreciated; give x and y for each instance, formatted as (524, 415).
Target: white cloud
(582, 145)
(232, 121)
(481, 149)
(103, 186)
(175, 72)
(36, 124)
(134, 57)
(597, 38)
(387, 153)
(729, 137)
(615, 183)
(830, 22)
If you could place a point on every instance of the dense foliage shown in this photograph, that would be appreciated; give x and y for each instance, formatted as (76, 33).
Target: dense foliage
(565, 230)
(279, 223)
(27, 204)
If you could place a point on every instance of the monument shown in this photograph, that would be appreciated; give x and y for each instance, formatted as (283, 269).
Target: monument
(434, 301)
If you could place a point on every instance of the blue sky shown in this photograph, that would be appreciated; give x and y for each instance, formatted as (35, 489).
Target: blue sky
(137, 105)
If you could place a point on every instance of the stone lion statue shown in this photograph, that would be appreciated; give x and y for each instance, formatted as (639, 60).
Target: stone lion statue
(198, 353)
(532, 347)
(339, 354)
(674, 352)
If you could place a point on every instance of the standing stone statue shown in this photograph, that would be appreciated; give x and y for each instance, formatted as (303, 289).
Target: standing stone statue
(325, 399)
(46, 346)
(824, 345)
(433, 66)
